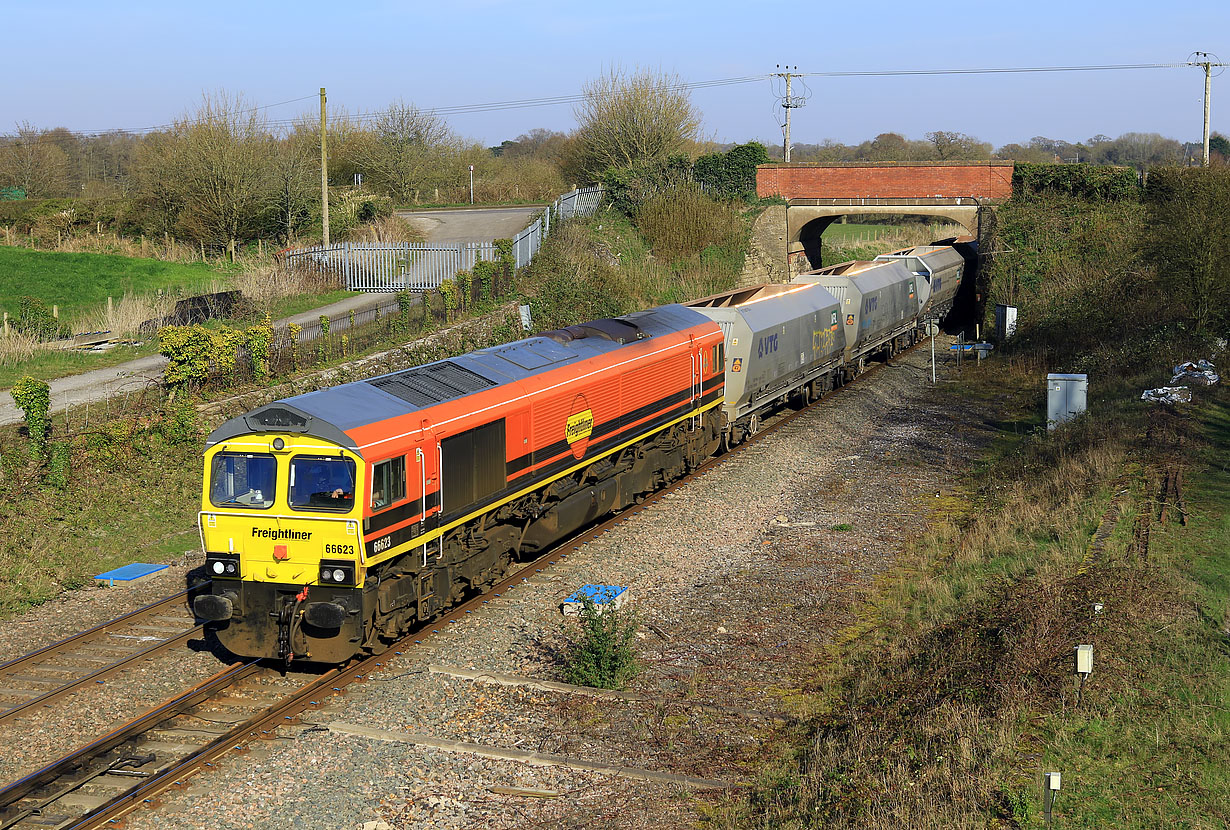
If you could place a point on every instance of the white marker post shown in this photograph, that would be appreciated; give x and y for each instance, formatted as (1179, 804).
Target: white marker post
(471, 184)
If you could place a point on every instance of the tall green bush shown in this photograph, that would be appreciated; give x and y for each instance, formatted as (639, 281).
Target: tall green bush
(193, 351)
(33, 398)
(731, 175)
(1187, 239)
(683, 221)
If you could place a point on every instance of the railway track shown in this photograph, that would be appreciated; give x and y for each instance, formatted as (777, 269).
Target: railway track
(44, 677)
(117, 773)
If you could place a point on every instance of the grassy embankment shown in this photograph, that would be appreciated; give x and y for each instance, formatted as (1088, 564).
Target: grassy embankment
(953, 691)
(80, 283)
(128, 488)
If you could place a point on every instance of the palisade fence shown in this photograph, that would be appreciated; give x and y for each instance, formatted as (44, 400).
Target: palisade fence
(422, 266)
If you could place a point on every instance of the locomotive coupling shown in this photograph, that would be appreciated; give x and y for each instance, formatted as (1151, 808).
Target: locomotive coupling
(213, 607)
(325, 614)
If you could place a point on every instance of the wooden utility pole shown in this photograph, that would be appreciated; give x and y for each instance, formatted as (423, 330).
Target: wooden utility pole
(789, 103)
(324, 171)
(1207, 62)
(1208, 89)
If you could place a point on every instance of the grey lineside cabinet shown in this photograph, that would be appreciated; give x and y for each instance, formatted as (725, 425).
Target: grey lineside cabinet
(1066, 397)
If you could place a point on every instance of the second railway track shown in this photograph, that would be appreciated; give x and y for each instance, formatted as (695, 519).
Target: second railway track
(46, 676)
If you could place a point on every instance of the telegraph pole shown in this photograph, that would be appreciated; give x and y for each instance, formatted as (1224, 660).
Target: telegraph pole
(1208, 91)
(789, 103)
(1206, 61)
(324, 171)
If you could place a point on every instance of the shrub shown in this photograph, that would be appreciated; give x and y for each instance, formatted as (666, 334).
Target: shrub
(629, 187)
(1083, 181)
(35, 318)
(448, 293)
(683, 222)
(731, 175)
(191, 351)
(33, 398)
(178, 422)
(602, 655)
(484, 274)
(259, 342)
(405, 303)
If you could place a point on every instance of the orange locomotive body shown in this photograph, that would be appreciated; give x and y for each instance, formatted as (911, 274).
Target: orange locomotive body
(460, 468)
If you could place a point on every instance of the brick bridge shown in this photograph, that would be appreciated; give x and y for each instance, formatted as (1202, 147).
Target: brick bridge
(819, 194)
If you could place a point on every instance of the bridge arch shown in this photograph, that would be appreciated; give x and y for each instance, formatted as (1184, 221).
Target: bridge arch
(806, 223)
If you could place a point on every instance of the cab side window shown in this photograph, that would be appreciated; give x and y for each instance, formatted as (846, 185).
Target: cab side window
(388, 482)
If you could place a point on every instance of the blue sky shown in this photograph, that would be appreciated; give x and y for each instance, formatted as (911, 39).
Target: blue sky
(93, 66)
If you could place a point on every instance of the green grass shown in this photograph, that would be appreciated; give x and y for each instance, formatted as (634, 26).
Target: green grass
(838, 232)
(139, 508)
(1151, 747)
(82, 282)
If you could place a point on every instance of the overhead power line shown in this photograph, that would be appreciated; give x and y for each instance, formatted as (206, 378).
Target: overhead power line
(866, 73)
(555, 100)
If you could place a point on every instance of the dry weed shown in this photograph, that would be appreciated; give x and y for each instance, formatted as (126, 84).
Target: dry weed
(18, 346)
(387, 229)
(264, 285)
(125, 316)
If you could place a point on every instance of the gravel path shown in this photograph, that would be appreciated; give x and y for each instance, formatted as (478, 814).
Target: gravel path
(741, 581)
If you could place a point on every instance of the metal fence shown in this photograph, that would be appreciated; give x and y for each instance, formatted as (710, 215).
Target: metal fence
(339, 324)
(392, 266)
(582, 202)
(422, 266)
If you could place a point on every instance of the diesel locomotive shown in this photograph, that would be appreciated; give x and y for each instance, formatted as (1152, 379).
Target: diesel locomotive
(334, 521)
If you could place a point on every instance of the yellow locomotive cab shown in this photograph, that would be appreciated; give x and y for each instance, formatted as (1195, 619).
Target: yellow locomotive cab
(280, 526)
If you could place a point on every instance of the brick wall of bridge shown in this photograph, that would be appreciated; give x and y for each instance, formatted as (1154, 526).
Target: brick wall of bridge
(886, 180)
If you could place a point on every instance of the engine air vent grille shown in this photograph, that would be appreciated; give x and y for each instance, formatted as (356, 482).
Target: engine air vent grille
(431, 384)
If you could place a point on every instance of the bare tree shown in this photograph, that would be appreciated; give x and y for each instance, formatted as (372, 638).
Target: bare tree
(406, 151)
(627, 118)
(221, 165)
(951, 145)
(294, 177)
(158, 192)
(33, 161)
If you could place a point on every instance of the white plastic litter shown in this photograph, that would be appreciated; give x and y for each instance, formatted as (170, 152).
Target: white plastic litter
(1201, 372)
(1168, 394)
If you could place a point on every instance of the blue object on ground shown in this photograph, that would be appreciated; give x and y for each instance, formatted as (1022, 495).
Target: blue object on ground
(599, 594)
(129, 572)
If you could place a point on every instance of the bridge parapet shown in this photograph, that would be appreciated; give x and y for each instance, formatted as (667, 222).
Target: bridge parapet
(921, 181)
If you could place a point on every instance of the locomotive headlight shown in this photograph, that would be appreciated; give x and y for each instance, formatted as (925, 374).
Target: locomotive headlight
(339, 575)
(222, 565)
(326, 574)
